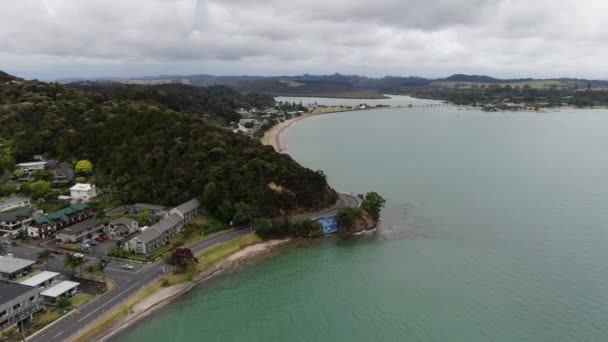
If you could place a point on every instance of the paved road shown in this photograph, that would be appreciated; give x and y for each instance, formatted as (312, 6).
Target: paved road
(130, 281)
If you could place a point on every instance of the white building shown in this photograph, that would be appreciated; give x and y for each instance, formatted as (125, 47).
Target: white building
(32, 166)
(83, 192)
(41, 280)
(65, 289)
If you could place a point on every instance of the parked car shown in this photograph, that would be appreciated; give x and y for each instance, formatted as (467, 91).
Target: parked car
(92, 243)
(10, 255)
(128, 266)
(78, 255)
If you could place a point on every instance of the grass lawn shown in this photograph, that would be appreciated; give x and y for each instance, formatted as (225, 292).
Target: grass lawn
(211, 256)
(80, 299)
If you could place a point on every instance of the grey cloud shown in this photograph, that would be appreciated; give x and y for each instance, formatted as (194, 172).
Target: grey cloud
(428, 38)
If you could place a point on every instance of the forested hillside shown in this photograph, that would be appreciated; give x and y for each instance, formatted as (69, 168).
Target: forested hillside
(218, 103)
(144, 151)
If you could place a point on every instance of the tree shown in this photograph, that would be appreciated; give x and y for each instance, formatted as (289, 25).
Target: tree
(44, 256)
(306, 228)
(39, 189)
(64, 303)
(2, 249)
(84, 167)
(143, 217)
(262, 226)
(242, 213)
(212, 197)
(346, 217)
(72, 262)
(225, 212)
(182, 259)
(373, 204)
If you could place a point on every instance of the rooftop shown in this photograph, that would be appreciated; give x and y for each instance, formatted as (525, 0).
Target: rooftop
(156, 230)
(10, 291)
(188, 206)
(12, 201)
(13, 215)
(60, 289)
(123, 220)
(149, 206)
(39, 278)
(11, 265)
(81, 187)
(81, 226)
(33, 163)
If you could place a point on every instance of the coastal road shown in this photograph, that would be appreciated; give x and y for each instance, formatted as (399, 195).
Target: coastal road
(129, 282)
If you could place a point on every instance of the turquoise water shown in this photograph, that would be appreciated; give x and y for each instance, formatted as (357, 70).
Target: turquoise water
(496, 229)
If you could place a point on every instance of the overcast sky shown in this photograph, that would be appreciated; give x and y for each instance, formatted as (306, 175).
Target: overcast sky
(49, 39)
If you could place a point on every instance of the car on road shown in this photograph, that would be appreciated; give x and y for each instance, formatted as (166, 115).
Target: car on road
(78, 255)
(128, 266)
(10, 255)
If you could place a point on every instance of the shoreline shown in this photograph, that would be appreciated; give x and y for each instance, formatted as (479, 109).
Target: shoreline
(166, 295)
(272, 137)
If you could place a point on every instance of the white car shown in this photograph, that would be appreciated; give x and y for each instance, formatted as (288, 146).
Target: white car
(10, 255)
(128, 266)
(78, 255)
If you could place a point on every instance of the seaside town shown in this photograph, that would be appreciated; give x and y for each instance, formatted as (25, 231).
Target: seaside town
(58, 254)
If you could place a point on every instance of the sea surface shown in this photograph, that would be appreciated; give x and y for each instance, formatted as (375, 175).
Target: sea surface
(496, 229)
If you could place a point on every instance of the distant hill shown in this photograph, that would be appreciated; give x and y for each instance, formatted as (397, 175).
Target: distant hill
(354, 86)
(219, 103)
(4, 77)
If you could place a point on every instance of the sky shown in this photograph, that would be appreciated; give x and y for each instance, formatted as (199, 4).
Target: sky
(52, 39)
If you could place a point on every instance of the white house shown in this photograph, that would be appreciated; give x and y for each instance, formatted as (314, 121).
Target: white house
(83, 192)
(122, 227)
(32, 166)
(156, 235)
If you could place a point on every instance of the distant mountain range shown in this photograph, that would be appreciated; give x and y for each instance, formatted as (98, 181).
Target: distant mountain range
(338, 85)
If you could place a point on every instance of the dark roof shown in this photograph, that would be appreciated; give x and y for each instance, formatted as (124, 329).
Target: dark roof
(123, 221)
(81, 226)
(10, 291)
(13, 215)
(150, 206)
(67, 171)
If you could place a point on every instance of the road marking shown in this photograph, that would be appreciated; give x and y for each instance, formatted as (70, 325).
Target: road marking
(106, 303)
(61, 332)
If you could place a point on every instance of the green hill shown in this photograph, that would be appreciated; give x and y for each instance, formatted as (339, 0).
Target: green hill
(144, 151)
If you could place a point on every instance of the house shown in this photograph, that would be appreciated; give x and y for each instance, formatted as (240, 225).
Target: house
(14, 203)
(155, 210)
(63, 174)
(83, 192)
(41, 280)
(188, 210)
(65, 289)
(122, 227)
(80, 231)
(16, 220)
(32, 166)
(11, 268)
(45, 225)
(18, 303)
(155, 235)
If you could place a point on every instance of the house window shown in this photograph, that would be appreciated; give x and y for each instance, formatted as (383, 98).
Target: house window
(16, 306)
(32, 298)
(3, 313)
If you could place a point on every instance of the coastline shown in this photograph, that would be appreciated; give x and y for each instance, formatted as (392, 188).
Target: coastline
(159, 299)
(273, 137)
